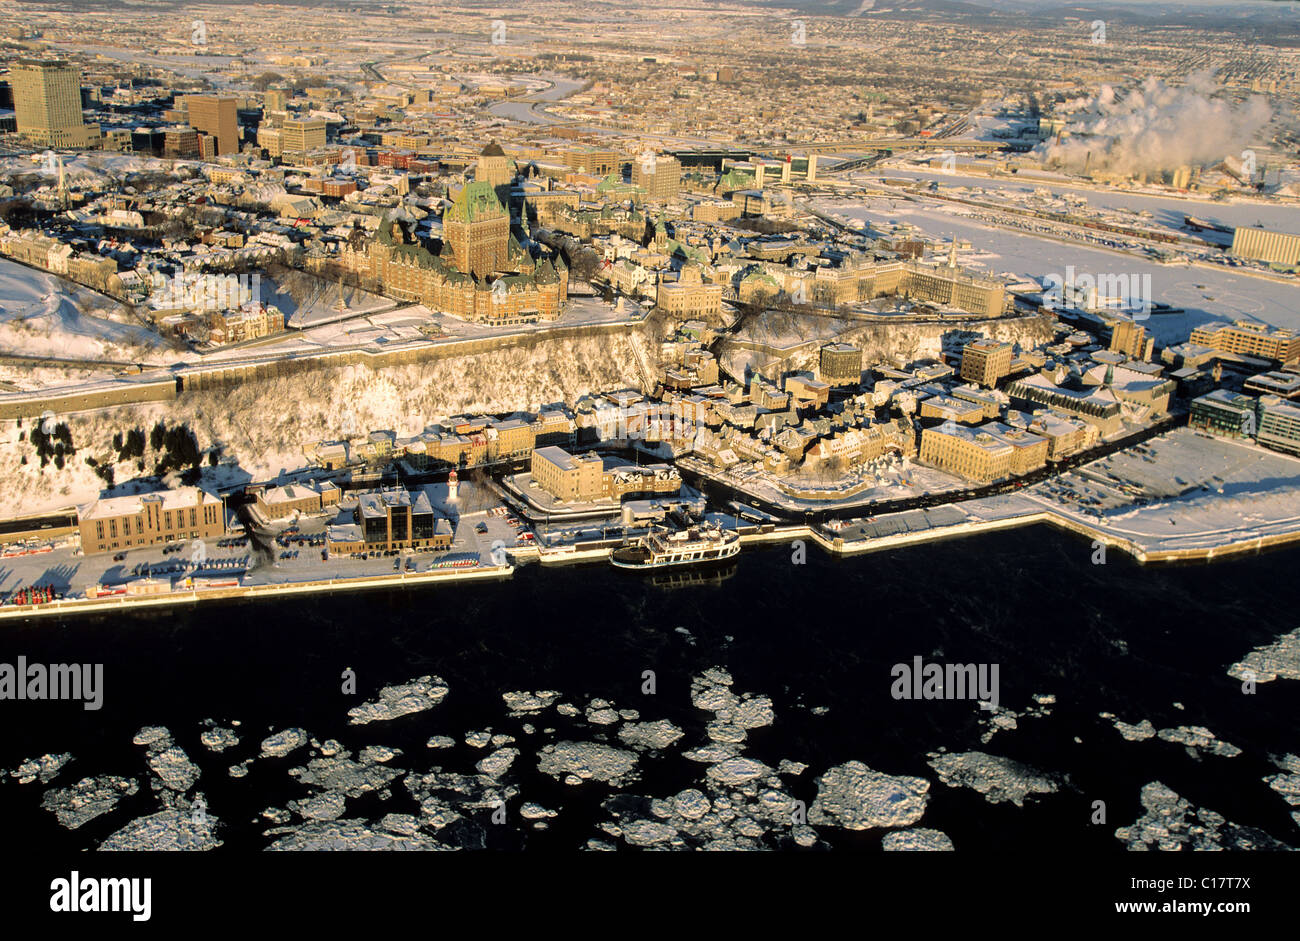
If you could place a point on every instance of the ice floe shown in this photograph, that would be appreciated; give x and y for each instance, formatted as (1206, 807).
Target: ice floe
(522, 702)
(43, 768)
(167, 760)
(1287, 785)
(1132, 733)
(417, 695)
(1197, 738)
(919, 839)
(282, 743)
(498, 763)
(652, 735)
(218, 739)
(1172, 823)
(855, 797)
(588, 761)
(340, 773)
(601, 714)
(350, 835)
(998, 779)
(327, 806)
(734, 771)
(170, 830)
(87, 799)
(1278, 660)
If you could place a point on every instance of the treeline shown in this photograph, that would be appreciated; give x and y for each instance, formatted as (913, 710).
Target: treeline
(174, 448)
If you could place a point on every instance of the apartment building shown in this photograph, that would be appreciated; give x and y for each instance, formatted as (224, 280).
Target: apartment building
(985, 362)
(840, 364)
(1131, 339)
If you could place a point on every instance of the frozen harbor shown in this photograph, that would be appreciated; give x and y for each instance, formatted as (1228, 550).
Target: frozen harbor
(1205, 294)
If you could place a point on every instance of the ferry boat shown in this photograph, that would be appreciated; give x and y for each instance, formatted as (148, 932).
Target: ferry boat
(696, 544)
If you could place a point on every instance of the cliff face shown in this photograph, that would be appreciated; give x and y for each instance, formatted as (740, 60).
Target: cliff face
(261, 426)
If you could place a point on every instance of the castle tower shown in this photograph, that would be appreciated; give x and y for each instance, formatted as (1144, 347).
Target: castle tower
(477, 228)
(493, 166)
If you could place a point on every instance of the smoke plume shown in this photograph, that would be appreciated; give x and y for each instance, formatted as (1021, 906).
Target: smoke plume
(1155, 127)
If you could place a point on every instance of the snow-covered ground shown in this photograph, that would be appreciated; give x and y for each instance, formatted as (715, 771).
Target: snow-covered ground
(1182, 490)
(44, 315)
(384, 324)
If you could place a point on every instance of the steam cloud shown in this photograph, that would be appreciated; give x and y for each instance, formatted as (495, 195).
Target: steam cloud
(1156, 127)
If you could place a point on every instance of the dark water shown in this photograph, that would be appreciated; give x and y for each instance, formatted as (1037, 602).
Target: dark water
(1118, 638)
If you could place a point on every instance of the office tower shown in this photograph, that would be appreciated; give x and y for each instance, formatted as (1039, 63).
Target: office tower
(216, 117)
(302, 135)
(658, 175)
(47, 99)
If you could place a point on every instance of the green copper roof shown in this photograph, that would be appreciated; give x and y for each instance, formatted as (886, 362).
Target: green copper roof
(476, 202)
